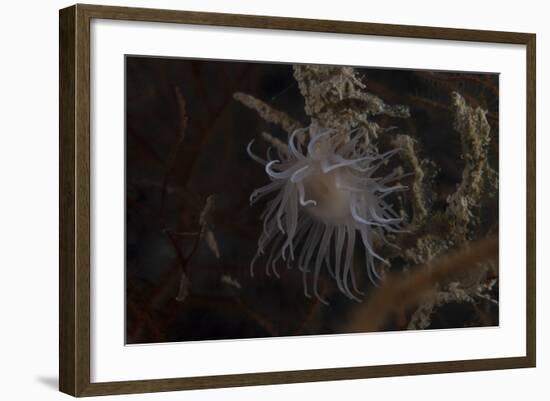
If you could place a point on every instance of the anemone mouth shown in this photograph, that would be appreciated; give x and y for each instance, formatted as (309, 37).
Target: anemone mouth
(332, 200)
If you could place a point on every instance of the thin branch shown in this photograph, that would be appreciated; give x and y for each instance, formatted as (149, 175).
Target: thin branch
(400, 292)
(267, 112)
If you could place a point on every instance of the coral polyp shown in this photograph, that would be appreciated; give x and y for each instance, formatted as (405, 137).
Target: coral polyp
(327, 194)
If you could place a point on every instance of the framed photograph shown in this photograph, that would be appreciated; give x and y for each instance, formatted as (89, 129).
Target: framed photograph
(251, 200)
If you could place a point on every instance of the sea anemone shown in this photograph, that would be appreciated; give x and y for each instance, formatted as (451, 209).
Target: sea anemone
(324, 191)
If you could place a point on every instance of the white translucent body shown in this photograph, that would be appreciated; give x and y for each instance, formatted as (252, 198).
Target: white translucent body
(325, 198)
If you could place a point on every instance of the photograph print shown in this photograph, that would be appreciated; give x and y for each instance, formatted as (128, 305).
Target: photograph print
(274, 199)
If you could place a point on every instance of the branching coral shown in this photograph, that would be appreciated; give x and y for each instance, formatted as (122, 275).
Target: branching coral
(475, 136)
(336, 101)
(267, 113)
(335, 97)
(456, 225)
(326, 182)
(399, 292)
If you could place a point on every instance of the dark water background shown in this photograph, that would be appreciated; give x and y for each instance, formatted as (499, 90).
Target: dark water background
(168, 181)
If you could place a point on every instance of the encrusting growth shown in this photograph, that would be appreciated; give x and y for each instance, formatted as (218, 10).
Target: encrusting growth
(331, 190)
(327, 186)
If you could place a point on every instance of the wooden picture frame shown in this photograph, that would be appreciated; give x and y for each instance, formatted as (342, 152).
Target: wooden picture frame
(74, 206)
